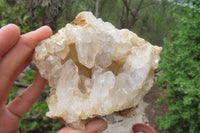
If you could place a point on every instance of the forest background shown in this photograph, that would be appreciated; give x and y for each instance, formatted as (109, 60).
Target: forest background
(172, 24)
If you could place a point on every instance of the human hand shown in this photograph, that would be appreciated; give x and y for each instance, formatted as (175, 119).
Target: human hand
(15, 54)
(96, 125)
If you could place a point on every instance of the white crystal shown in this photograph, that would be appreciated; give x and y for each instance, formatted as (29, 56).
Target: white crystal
(95, 69)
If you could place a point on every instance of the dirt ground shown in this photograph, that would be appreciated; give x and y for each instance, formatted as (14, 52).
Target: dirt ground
(146, 112)
(153, 109)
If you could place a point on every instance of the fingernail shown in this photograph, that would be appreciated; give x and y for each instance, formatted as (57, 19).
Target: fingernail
(44, 27)
(103, 126)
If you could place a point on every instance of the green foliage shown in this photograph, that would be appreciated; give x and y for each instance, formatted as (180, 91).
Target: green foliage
(180, 64)
(40, 11)
(35, 119)
(12, 94)
(30, 74)
(156, 20)
(16, 14)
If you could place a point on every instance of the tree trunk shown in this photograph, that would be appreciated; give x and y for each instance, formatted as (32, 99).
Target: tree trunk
(52, 10)
(130, 23)
(97, 8)
(134, 15)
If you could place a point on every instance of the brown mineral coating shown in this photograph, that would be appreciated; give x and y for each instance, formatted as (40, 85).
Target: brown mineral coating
(80, 21)
(96, 70)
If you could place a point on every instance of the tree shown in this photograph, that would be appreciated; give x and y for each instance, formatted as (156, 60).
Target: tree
(129, 12)
(180, 64)
(155, 19)
(14, 12)
(45, 12)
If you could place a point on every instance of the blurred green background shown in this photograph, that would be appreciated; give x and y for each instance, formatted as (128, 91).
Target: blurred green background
(172, 24)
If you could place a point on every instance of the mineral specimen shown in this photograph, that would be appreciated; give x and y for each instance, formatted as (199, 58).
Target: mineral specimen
(94, 69)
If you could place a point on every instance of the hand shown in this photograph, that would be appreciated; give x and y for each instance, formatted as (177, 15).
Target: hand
(16, 53)
(96, 125)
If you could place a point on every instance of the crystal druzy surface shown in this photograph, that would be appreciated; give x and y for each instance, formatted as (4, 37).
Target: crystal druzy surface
(94, 69)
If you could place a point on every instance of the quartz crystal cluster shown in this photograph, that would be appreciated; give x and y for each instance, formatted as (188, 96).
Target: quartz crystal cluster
(95, 69)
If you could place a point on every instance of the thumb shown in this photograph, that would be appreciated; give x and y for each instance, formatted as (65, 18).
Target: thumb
(96, 125)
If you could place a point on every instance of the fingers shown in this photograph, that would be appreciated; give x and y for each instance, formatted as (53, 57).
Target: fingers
(16, 57)
(96, 125)
(23, 102)
(9, 35)
(23, 66)
(22, 50)
(20, 69)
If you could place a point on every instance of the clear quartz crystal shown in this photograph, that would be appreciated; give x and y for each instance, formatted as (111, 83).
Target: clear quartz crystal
(95, 69)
